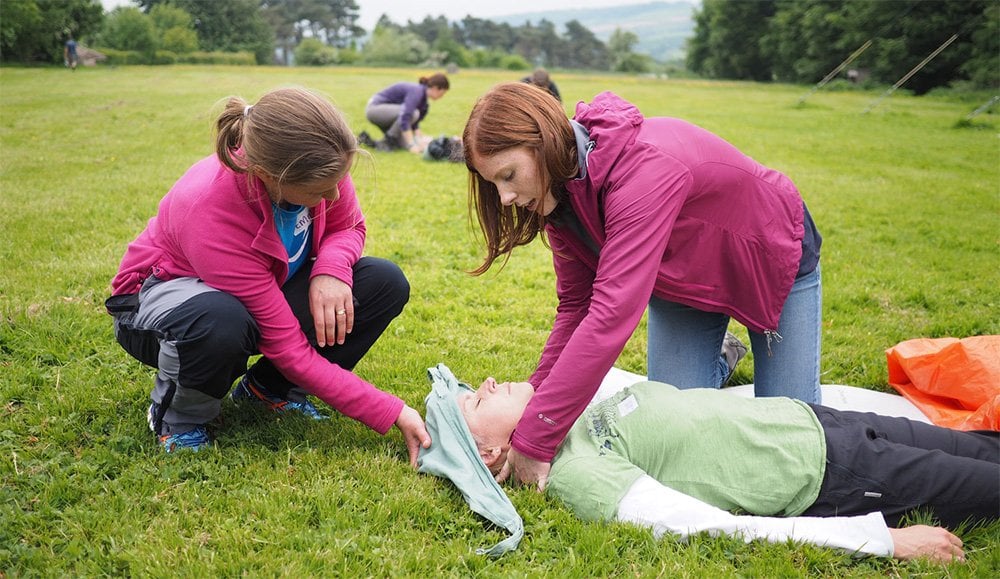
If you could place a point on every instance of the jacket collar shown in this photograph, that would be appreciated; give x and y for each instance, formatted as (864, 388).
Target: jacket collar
(584, 145)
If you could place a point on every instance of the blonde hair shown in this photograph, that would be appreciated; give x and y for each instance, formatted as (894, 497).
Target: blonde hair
(292, 135)
(513, 115)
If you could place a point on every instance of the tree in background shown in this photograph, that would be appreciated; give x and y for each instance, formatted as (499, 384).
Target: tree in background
(332, 22)
(312, 52)
(983, 66)
(584, 49)
(727, 41)
(127, 28)
(446, 49)
(803, 40)
(391, 45)
(174, 28)
(622, 58)
(36, 30)
(906, 32)
(487, 34)
(227, 25)
(806, 39)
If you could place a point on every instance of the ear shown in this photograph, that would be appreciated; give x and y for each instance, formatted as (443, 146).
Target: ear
(490, 455)
(268, 180)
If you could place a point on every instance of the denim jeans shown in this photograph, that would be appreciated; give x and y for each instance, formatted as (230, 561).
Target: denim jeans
(684, 345)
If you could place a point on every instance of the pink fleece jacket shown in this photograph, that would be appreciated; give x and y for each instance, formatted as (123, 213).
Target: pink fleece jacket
(216, 225)
(678, 213)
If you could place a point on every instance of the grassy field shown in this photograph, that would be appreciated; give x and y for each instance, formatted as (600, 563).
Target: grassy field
(909, 206)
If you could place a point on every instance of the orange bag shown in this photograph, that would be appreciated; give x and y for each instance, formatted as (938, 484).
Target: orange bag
(956, 383)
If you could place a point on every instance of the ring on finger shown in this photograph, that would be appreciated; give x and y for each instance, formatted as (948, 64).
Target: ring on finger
(341, 312)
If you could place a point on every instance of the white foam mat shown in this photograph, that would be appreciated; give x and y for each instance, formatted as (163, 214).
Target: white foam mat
(834, 395)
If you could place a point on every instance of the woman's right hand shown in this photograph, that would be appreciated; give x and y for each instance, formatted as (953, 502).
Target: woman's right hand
(922, 541)
(414, 432)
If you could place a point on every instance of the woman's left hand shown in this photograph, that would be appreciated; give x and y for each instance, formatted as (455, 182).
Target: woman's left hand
(331, 303)
(525, 470)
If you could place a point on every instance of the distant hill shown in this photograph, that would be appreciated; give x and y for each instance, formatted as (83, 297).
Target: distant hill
(662, 27)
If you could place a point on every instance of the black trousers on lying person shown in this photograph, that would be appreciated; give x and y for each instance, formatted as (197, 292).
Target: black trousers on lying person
(199, 339)
(898, 466)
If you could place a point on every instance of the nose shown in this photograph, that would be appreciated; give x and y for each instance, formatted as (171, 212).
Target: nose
(490, 385)
(507, 197)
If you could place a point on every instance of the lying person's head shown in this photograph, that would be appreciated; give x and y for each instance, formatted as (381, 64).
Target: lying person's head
(491, 413)
(470, 433)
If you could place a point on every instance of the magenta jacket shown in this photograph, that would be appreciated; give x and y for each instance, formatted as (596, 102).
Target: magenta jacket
(218, 226)
(678, 213)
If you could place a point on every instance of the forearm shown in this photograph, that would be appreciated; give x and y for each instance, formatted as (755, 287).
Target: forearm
(406, 138)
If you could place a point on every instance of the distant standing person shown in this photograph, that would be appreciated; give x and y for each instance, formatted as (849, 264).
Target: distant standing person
(540, 78)
(399, 109)
(257, 249)
(69, 54)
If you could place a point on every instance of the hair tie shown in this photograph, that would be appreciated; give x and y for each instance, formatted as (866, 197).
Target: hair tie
(246, 110)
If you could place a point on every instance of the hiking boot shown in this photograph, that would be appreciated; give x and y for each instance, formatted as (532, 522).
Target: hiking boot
(366, 140)
(193, 440)
(733, 351)
(245, 390)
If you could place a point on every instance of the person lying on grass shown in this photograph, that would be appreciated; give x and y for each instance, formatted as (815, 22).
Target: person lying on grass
(684, 461)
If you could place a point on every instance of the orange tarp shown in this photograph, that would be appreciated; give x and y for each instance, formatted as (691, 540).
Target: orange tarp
(955, 382)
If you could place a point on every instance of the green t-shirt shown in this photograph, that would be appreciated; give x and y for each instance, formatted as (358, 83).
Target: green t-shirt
(764, 456)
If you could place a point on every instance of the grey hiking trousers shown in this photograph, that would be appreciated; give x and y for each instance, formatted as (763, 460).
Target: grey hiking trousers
(386, 117)
(200, 339)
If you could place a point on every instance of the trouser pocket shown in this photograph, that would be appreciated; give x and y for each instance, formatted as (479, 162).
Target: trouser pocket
(122, 304)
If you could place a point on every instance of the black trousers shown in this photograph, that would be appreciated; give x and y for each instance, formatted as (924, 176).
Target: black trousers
(897, 466)
(380, 292)
(200, 339)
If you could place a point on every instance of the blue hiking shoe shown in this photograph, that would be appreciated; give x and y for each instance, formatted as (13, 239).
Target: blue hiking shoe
(245, 390)
(193, 440)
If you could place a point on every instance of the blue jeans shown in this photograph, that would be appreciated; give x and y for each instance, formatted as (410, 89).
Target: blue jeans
(684, 345)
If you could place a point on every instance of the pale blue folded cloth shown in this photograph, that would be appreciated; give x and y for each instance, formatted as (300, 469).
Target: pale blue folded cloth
(453, 455)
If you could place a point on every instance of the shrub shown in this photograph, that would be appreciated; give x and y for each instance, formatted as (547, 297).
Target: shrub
(164, 57)
(122, 57)
(312, 52)
(514, 62)
(243, 58)
(180, 40)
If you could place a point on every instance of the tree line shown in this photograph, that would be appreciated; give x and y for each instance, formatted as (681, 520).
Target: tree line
(304, 32)
(763, 40)
(803, 40)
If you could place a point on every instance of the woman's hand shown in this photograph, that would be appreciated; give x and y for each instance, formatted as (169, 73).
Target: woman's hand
(331, 303)
(526, 470)
(922, 541)
(412, 427)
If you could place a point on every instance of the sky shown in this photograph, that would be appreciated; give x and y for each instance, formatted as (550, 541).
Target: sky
(402, 10)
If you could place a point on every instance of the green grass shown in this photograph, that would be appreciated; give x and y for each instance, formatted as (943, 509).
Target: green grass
(908, 203)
